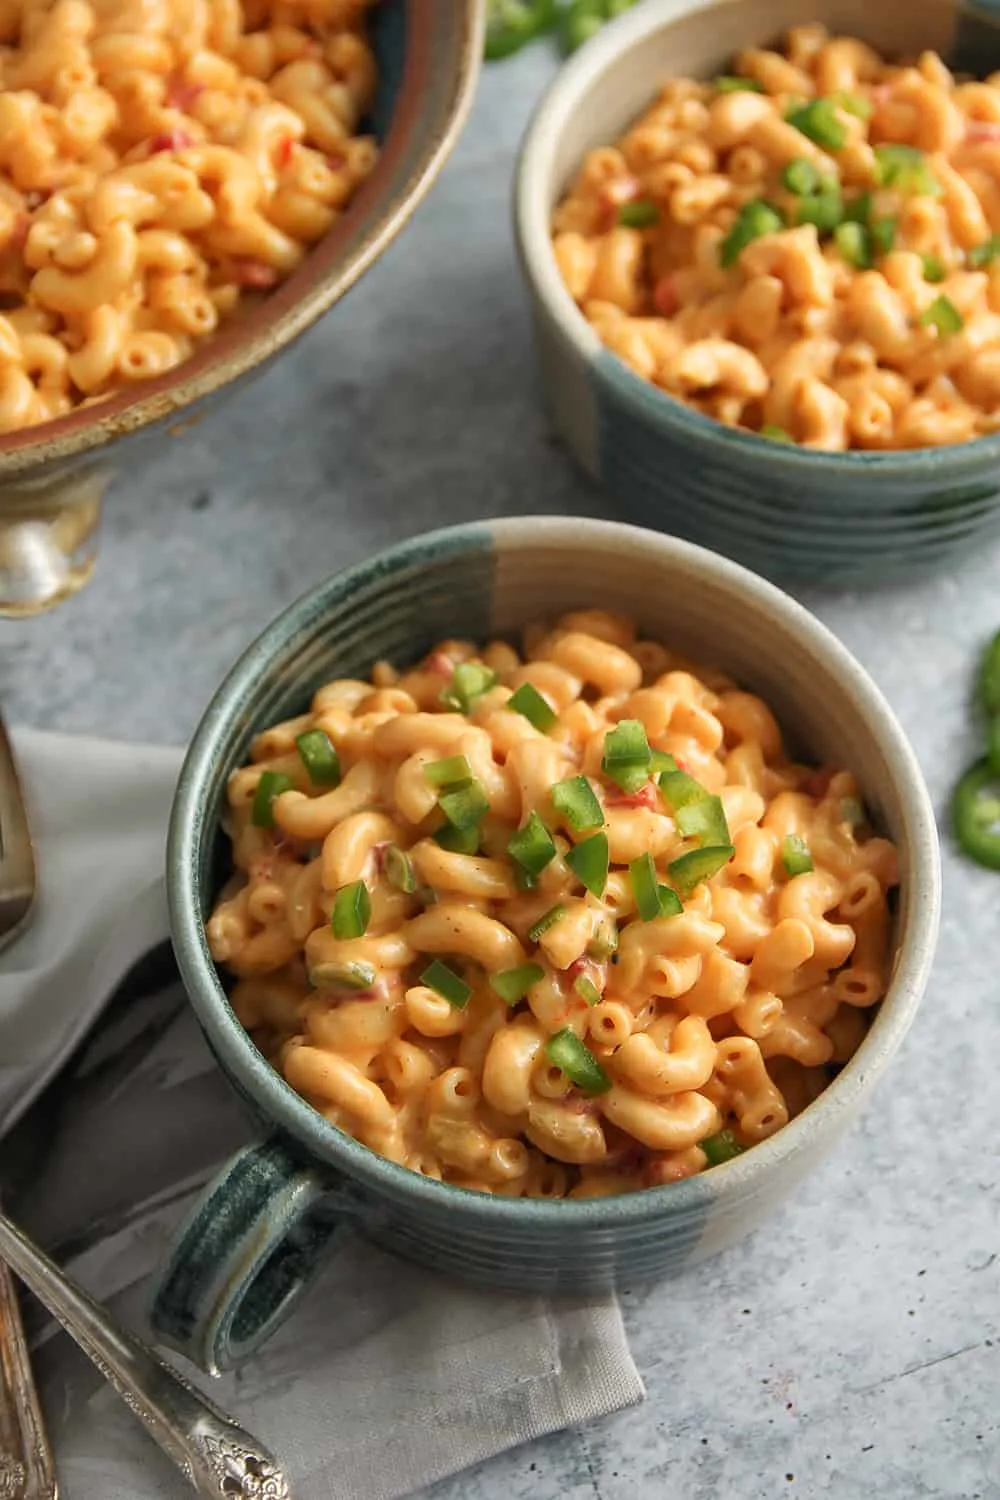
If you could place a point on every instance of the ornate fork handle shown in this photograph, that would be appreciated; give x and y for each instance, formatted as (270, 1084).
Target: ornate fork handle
(220, 1459)
(25, 1458)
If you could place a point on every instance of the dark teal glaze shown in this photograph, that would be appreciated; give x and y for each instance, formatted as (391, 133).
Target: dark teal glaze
(270, 1215)
(976, 47)
(389, 32)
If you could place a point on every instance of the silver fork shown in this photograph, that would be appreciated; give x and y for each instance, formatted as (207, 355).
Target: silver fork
(17, 859)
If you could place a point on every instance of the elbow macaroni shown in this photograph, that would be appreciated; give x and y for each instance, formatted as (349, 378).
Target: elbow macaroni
(732, 1014)
(824, 325)
(159, 165)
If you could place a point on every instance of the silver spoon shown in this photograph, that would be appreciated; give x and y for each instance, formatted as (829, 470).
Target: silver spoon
(217, 1457)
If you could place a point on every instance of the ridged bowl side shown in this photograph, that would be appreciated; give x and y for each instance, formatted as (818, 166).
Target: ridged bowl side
(790, 513)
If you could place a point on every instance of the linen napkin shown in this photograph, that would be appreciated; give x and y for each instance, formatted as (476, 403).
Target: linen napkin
(387, 1377)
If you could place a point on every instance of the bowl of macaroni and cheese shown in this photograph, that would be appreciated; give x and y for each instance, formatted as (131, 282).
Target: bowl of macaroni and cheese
(553, 892)
(762, 243)
(185, 186)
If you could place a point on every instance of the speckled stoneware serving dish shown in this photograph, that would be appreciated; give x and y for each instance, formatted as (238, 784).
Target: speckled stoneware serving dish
(277, 1208)
(788, 512)
(52, 478)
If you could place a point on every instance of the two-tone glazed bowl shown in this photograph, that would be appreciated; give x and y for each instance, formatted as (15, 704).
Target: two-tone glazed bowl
(276, 1210)
(53, 477)
(788, 512)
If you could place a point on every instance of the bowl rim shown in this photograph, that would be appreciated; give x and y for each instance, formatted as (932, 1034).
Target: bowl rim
(281, 318)
(287, 1113)
(531, 211)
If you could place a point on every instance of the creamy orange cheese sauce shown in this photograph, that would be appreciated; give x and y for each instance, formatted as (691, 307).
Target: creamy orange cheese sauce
(421, 944)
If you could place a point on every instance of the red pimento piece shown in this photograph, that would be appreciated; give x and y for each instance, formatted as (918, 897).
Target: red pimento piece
(255, 274)
(181, 94)
(441, 663)
(658, 1172)
(665, 298)
(983, 130)
(585, 968)
(622, 190)
(579, 1105)
(817, 783)
(613, 195)
(285, 151)
(170, 140)
(644, 797)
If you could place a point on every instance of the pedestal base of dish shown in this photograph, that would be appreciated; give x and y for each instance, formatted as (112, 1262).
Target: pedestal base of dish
(48, 540)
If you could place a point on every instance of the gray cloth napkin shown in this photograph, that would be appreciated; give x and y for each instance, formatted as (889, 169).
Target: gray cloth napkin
(387, 1377)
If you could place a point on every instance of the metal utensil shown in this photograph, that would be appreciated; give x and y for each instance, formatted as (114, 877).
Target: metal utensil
(218, 1458)
(17, 860)
(26, 1471)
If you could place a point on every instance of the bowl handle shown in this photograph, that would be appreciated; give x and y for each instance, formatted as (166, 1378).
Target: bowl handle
(48, 538)
(252, 1242)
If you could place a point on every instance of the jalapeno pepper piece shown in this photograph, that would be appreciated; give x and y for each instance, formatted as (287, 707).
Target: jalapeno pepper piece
(512, 24)
(993, 744)
(975, 812)
(989, 677)
(585, 18)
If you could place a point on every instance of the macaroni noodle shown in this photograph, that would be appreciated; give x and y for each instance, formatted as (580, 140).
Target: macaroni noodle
(565, 924)
(808, 248)
(160, 163)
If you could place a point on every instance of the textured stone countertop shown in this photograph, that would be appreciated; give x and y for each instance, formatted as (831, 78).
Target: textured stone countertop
(852, 1347)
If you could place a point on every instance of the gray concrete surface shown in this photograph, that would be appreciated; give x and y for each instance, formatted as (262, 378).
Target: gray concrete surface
(852, 1348)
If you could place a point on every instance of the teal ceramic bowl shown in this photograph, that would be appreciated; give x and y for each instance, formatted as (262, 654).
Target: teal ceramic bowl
(277, 1208)
(790, 513)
